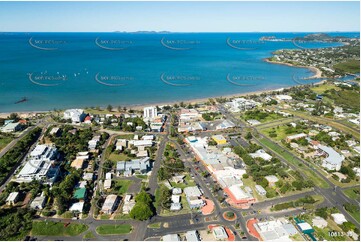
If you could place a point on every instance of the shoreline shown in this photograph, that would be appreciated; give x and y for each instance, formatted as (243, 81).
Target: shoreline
(317, 72)
(138, 107)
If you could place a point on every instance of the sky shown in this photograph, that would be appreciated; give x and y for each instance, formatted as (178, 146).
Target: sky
(179, 16)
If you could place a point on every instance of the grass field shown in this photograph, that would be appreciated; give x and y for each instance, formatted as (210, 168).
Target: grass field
(89, 235)
(188, 182)
(350, 66)
(117, 157)
(121, 186)
(154, 225)
(57, 229)
(353, 193)
(4, 140)
(109, 229)
(288, 157)
(319, 89)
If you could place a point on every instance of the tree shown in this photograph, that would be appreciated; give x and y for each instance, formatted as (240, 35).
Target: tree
(109, 108)
(248, 136)
(322, 212)
(143, 197)
(163, 174)
(141, 211)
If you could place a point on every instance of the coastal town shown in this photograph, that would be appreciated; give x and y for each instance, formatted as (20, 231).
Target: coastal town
(277, 165)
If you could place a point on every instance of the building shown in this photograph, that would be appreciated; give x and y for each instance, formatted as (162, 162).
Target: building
(176, 191)
(226, 124)
(77, 207)
(253, 122)
(272, 179)
(88, 176)
(283, 97)
(110, 204)
(333, 160)
(75, 115)
(175, 206)
(219, 233)
(192, 191)
(192, 235)
(38, 202)
(261, 154)
(306, 228)
(175, 198)
(319, 222)
(12, 198)
(219, 139)
(145, 143)
(295, 137)
(107, 184)
(11, 127)
(40, 165)
(260, 190)
(339, 218)
(275, 230)
(241, 104)
(237, 197)
(150, 113)
(128, 204)
(80, 194)
(55, 131)
(171, 237)
(128, 167)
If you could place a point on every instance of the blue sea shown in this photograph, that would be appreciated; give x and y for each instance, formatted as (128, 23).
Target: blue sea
(67, 70)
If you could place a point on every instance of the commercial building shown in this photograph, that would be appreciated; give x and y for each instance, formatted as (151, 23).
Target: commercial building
(226, 124)
(11, 127)
(219, 233)
(171, 237)
(333, 160)
(150, 113)
(275, 230)
(238, 198)
(75, 115)
(110, 204)
(219, 139)
(192, 235)
(40, 165)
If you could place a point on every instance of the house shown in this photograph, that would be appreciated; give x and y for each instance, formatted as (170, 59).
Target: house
(88, 176)
(305, 227)
(283, 97)
(175, 198)
(171, 237)
(145, 143)
(219, 139)
(77, 207)
(260, 190)
(38, 202)
(75, 115)
(175, 206)
(176, 191)
(192, 191)
(128, 167)
(253, 122)
(219, 233)
(55, 131)
(12, 198)
(128, 205)
(272, 179)
(339, 218)
(319, 222)
(80, 194)
(110, 204)
(178, 179)
(192, 235)
(107, 184)
(295, 137)
(261, 154)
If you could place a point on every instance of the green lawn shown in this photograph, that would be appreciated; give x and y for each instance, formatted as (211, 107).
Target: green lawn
(109, 229)
(350, 66)
(307, 171)
(89, 235)
(154, 225)
(121, 186)
(142, 176)
(125, 136)
(319, 89)
(355, 215)
(353, 193)
(189, 182)
(117, 157)
(57, 229)
(4, 140)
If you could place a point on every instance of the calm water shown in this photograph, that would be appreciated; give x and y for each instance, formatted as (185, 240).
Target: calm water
(65, 70)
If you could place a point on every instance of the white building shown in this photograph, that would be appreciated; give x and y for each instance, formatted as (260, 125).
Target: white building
(150, 113)
(339, 218)
(171, 237)
(76, 115)
(333, 160)
(38, 202)
(110, 204)
(77, 207)
(11, 127)
(260, 190)
(261, 154)
(319, 222)
(12, 198)
(219, 233)
(192, 235)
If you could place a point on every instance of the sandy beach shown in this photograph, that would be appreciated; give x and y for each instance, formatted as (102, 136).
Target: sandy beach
(317, 72)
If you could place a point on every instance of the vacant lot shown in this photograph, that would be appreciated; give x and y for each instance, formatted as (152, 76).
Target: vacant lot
(57, 229)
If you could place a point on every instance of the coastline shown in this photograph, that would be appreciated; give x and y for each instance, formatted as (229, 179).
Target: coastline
(139, 107)
(317, 72)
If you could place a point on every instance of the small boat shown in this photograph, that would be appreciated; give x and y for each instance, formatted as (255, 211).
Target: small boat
(24, 99)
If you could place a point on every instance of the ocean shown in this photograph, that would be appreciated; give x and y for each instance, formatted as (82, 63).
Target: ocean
(68, 70)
